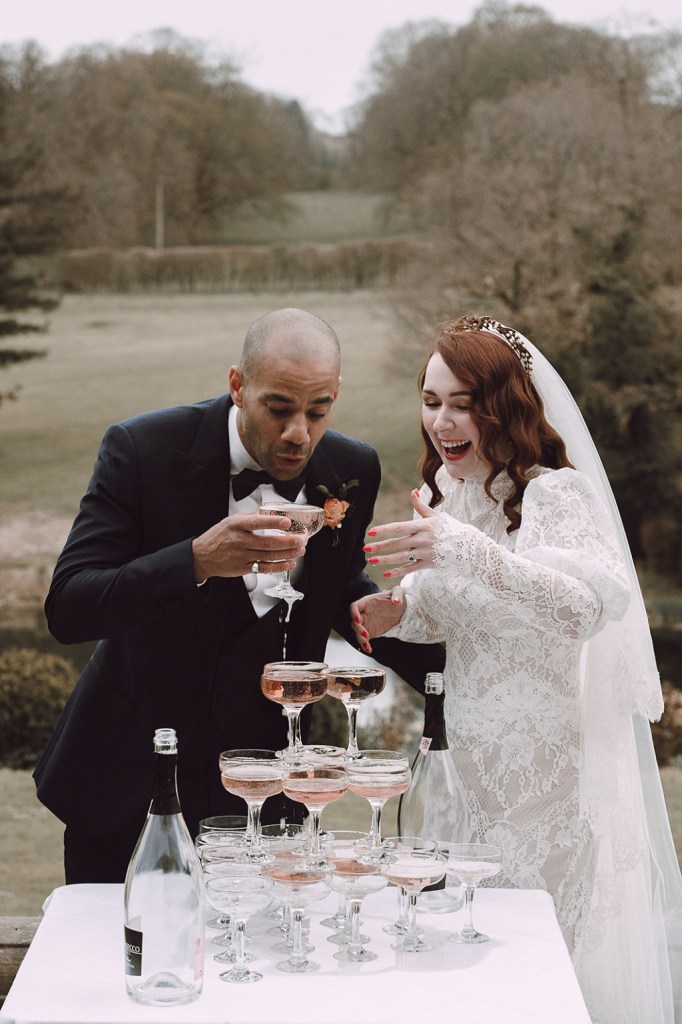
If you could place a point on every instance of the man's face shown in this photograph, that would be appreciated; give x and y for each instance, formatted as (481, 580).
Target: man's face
(285, 408)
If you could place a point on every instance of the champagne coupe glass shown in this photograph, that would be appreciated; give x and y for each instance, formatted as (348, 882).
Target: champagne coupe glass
(242, 896)
(353, 685)
(228, 869)
(401, 923)
(322, 755)
(253, 775)
(285, 844)
(304, 519)
(471, 862)
(356, 878)
(223, 823)
(215, 850)
(315, 787)
(293, 684)
(412, 863)
(341, 843)
(378, 775)
(297, 886)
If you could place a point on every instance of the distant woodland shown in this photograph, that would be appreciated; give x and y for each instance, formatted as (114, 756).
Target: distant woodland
(536, 163)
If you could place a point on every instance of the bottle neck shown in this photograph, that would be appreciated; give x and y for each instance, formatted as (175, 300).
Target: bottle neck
(165, 795)
(434, 721)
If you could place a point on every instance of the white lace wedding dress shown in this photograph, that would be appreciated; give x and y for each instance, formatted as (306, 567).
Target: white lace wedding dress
(514, 611)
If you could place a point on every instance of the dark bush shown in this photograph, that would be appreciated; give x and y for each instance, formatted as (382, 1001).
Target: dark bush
(33, 690)
(329, 724)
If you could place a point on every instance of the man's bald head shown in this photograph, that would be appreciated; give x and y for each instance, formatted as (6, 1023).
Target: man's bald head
(296, 333)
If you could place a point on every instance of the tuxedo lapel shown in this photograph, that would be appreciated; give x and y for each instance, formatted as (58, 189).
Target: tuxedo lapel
(203, 471)
(203, 486)
(320, 556)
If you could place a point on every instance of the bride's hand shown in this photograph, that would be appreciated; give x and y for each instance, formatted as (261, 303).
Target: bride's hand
(407, 545)
(375, 614)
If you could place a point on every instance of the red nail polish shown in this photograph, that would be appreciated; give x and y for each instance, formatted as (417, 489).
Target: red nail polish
(371, 533)
(373, 561)
(387, 573)
(367, 547)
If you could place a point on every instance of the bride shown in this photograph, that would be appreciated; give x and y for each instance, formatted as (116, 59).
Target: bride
(519, 564)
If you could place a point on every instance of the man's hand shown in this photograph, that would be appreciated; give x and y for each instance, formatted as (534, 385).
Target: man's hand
(231, 547)
(375, 614)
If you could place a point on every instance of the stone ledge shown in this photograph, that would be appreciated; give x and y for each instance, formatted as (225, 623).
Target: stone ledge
(16, 934)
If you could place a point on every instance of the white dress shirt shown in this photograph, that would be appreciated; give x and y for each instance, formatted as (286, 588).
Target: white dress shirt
(240, 459)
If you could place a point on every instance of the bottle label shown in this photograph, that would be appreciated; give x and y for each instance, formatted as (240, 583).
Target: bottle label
(424, 744)
(133, 944)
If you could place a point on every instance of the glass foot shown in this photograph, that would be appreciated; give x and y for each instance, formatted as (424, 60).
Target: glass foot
(284, 947)
(305, 967)
(341, 939)
(356, 956)
(468, 937)
(284, 593)
(241, 976)
(412, 947)
(337, 921)
(229, 957)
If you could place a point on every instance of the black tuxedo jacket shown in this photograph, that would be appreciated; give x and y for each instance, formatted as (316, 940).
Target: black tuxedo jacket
(171, 654)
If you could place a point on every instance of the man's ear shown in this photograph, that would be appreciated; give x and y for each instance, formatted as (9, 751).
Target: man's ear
(235, 384)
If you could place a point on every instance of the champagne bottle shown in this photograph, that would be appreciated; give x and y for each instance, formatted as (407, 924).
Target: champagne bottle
(164, 896)
(434, 806)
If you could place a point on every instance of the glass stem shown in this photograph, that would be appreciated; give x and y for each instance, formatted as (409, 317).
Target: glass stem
(292, 724)
(375, 828)
(403, 903)
(253, 824)
(298, 742)
(347, 923)
(411, 935)
(353, 749)
(239, 951)
(315, 815)
(468, 906)
(297, 957)
(340, 914)
(354, 944)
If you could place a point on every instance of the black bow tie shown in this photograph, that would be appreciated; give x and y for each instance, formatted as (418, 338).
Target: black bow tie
(249, 479)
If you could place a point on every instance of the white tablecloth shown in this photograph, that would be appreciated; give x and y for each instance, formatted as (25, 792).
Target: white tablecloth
(73, 970)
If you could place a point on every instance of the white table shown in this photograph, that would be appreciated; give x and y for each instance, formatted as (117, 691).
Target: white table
(73, 970)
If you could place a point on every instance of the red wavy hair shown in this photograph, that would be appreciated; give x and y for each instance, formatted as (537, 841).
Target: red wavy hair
(505, 408)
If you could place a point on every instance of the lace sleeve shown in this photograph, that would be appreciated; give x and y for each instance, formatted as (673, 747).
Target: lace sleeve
(564, 576)
(419, 625)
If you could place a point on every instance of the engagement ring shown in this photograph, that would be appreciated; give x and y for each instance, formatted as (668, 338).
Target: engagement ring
(255, 567)
(411, 558)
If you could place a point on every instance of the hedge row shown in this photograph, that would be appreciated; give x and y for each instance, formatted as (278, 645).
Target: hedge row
(350, 265)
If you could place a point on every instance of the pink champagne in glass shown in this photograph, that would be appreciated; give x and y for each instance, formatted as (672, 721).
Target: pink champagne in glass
(293, 685)
(353, 685)
(304, 519)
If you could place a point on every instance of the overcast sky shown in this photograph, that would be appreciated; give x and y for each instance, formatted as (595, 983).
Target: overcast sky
(316, 51)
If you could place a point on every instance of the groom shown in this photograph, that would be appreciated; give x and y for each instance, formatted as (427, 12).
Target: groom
(167, 568)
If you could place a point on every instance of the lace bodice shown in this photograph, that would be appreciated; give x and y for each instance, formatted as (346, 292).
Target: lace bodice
(514, 611)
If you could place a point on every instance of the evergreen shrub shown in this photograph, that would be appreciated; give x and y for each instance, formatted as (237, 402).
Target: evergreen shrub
(33, 690)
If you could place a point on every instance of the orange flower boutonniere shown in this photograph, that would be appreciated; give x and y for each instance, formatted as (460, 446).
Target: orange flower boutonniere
(336, 509)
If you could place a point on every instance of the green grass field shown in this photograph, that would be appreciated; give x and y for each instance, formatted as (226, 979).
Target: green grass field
(332, 215)
(113, 356)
